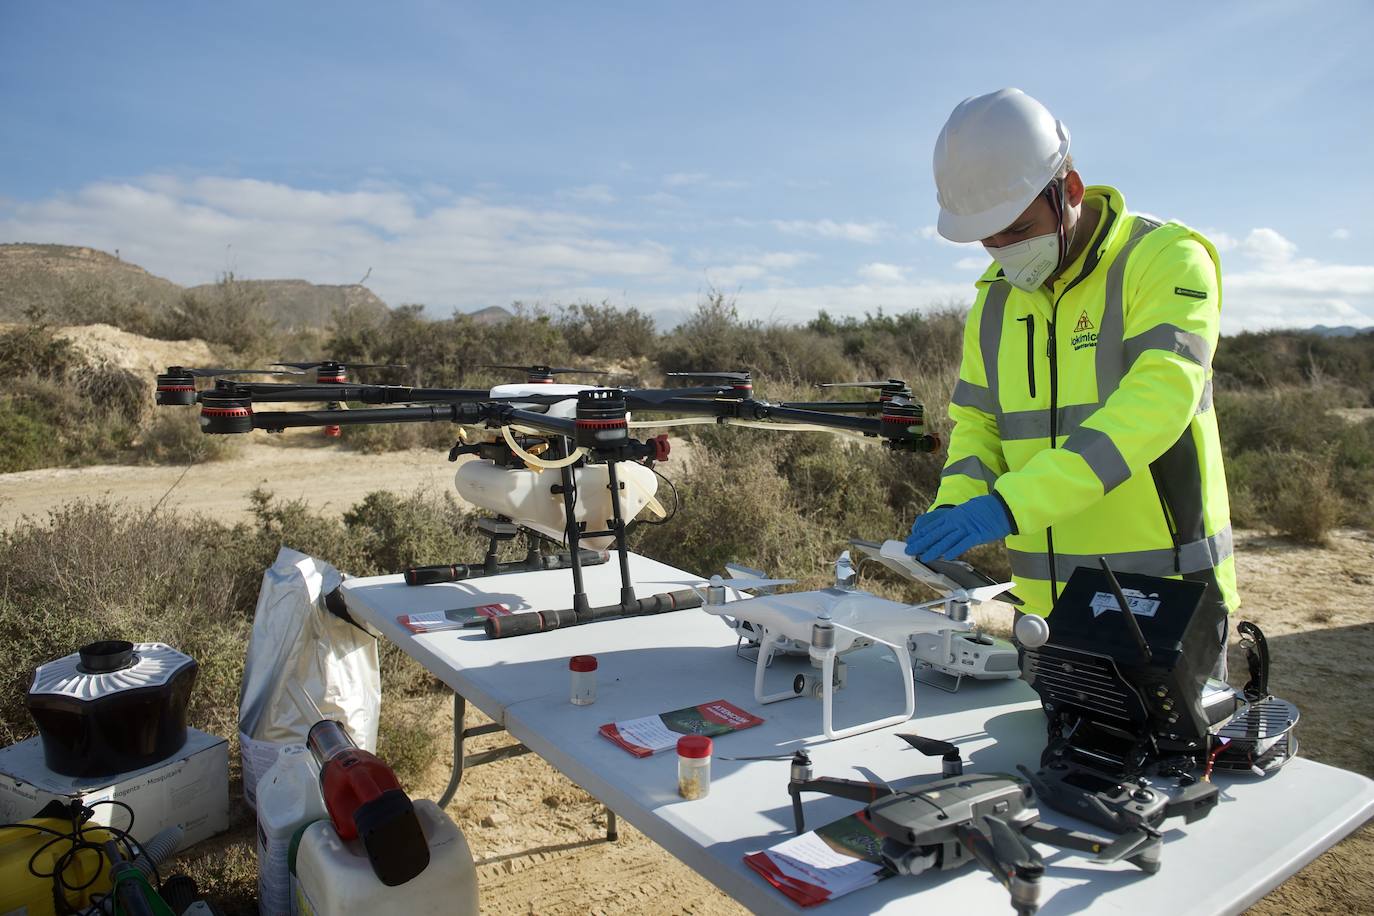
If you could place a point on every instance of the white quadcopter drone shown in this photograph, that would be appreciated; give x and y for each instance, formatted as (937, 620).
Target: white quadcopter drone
(829, 623)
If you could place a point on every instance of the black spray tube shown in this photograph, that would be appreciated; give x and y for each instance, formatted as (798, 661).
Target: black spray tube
(540, 621)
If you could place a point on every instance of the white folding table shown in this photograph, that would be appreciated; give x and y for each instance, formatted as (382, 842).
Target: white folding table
(1262, 831)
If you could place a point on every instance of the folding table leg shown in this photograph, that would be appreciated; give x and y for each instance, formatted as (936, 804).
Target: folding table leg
(461, 759)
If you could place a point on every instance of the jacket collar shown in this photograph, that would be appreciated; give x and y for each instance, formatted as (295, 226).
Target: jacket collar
(1111, 206)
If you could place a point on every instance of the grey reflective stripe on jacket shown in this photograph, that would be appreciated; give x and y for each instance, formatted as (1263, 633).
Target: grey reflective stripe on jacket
(1115, 355)
(971, 466)
(1194, 556)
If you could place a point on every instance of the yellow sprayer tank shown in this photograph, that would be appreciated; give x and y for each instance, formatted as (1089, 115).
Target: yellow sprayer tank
(23, 892)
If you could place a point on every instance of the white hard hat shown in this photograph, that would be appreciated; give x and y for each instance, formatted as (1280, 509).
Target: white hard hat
(995, 154)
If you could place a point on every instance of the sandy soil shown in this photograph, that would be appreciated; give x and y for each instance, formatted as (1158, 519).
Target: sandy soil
(297, 464)
(539, 839)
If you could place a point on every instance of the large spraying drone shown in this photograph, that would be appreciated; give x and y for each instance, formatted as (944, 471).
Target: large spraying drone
(556, 462)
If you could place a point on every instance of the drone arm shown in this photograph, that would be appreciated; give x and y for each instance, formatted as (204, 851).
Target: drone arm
(852, 789)
(278, 420)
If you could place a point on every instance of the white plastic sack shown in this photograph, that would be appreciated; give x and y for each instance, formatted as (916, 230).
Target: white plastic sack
(304, 664)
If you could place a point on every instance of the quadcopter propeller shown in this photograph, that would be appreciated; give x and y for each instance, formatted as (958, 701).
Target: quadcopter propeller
(951, 761)
(739, 378)
(931, 747)
(737, 582)
(547, 370)
(212, 372)
(1014, 851)
(892, 386)
(332, 363)
(1128, 845)
(799, 756)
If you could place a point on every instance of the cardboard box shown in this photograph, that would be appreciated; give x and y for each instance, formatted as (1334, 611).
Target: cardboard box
(190, 788)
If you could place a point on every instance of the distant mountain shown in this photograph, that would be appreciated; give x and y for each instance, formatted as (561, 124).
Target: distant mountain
(492, 314)
(60, 279)
(1344, 330)
(76, 285)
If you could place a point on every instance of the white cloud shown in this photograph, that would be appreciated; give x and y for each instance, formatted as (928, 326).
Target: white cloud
(683, 179)
(1268, 246)
(867, 233)
(591, 194)
(880, 273)
(932, 234)
(976, 262)
(461, 251)
(1340, 235)
(754, 267)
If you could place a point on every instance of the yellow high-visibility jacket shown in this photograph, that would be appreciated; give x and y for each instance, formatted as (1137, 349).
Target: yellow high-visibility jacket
(1086, 406)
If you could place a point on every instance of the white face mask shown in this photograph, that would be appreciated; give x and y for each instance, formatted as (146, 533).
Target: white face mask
(1027, 264)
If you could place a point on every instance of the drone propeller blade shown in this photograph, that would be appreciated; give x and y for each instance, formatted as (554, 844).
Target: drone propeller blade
(1127, 845)
(892, 384)
(987, 592)
(737, 376)
(738, 582)
(1014, 850)
(931, 747)
(212, 372)
(334, 362)
(796, 756)
(545, 370)
(975, 842)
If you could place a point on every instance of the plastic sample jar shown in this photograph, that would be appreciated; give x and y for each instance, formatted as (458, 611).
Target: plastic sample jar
(583, 668)
(693, 766)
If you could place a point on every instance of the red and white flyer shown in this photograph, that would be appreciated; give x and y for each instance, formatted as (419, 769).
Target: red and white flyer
(452, 619)
(652, 734)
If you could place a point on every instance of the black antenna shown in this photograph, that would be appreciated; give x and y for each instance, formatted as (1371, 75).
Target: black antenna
(1131, 623)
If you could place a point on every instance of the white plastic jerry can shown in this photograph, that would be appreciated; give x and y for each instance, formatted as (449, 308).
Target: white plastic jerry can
(288, 799)
(330, 877)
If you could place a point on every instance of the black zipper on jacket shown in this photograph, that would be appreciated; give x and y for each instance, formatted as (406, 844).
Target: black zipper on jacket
(1030, 352)
(1103, 227)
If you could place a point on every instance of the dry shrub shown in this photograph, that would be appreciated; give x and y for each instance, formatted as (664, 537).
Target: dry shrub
(104, 571)
(175, 437)
(1307, 505)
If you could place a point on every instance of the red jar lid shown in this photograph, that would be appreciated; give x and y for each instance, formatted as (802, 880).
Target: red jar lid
(695, 746)
(582, 663)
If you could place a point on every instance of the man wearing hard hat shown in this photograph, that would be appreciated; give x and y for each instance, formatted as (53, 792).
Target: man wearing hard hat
(1083, 420)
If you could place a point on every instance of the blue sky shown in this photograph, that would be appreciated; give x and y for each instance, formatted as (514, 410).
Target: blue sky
(477, 154)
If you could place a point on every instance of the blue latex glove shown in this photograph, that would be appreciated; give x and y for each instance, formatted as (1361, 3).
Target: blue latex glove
(947, 533)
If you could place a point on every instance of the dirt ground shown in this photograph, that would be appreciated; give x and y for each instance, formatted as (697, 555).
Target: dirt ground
(288, 464)
(540, 841)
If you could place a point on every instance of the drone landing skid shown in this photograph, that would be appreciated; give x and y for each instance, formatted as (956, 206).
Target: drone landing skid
(832, 677)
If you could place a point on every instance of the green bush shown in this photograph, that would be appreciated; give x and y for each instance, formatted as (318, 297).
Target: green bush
(103, 571)
(606, 332)
(1306, 506)
(175, 437)
(230, 313)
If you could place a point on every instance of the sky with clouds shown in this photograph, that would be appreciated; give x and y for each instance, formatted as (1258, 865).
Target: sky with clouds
(476, 154)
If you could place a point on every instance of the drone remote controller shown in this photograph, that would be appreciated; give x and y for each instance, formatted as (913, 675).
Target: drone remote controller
(1117, 806)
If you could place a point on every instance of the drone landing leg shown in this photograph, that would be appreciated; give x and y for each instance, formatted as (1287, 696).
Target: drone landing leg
(766, 644)
(828, 697)
(627, 589)
(580, 603)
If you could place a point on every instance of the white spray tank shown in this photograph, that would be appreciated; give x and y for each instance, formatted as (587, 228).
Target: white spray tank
(288, 799)
(526, 496)
(333, 877)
